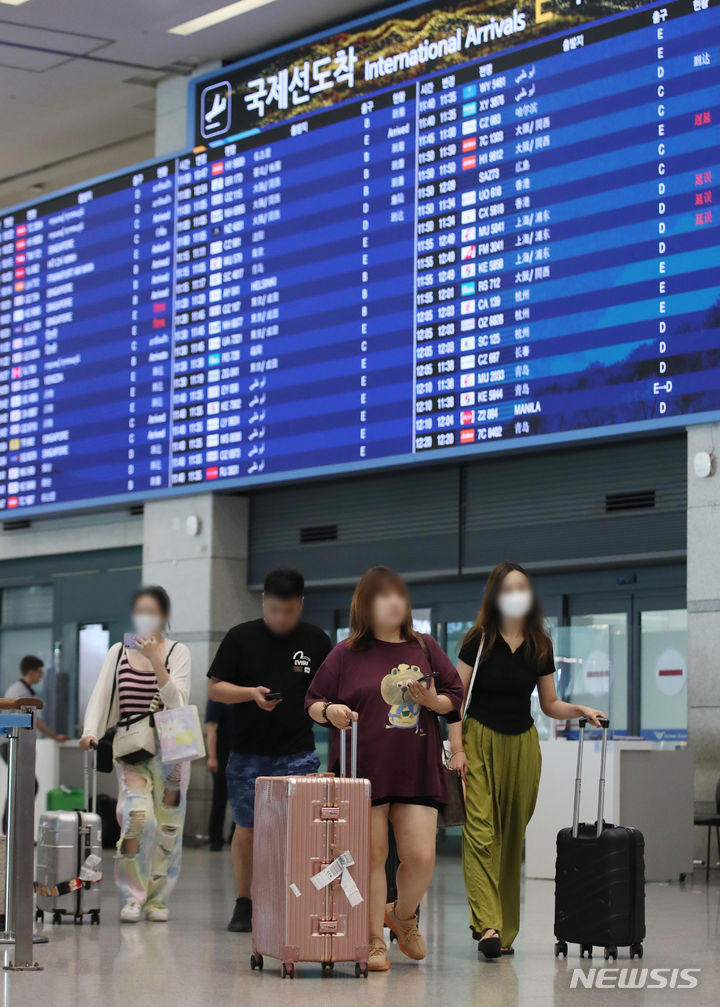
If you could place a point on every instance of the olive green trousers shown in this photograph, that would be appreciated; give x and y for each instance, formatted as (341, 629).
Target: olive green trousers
(502, 786)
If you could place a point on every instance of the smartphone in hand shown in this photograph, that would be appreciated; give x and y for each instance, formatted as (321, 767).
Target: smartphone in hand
(270, 697)
(129, 641)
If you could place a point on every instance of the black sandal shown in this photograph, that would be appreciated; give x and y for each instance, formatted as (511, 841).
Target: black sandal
(507, 951)
(491, 947)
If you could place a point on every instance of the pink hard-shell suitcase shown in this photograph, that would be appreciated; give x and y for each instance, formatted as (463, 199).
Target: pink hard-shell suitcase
(312, 827)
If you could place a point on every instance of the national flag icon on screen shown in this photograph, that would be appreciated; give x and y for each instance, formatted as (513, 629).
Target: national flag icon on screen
(467, 289)
(469, 91)
(212, 473)
(21, 230)
(467, 307)
(469, 143)
(469, 162)
(468, 234)
(159, 307)
(467, 270)
(467, 380)
(467, 436)
(469, 108)
(469, 126)
(467, 416)
(469, 198)
(468, 252)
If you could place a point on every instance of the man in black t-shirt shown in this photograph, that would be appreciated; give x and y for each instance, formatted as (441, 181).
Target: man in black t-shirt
(263, 668)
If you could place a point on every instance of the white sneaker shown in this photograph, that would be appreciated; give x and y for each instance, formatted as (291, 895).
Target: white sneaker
(156, 914)
(131, 912)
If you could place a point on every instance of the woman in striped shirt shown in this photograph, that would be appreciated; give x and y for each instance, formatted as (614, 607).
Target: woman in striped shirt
(145, 673)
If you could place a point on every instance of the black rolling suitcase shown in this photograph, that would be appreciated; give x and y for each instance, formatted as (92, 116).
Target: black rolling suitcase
(599, 878)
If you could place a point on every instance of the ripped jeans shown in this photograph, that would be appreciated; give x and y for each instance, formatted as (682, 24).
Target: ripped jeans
(151, 812)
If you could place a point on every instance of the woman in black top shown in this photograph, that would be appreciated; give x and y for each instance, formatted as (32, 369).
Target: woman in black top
(497, 749)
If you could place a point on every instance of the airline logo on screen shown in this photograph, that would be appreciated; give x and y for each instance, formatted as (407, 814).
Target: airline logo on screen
(215, 109)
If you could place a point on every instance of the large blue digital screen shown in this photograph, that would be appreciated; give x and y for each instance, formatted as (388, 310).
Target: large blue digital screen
(449, 229)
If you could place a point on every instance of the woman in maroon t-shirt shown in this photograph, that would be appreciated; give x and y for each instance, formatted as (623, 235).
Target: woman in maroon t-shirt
(395, 683)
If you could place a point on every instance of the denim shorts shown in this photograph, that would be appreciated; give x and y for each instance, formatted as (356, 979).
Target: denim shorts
(244, 768)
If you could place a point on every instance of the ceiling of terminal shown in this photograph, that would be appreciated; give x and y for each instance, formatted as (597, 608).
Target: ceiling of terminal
(77, 77)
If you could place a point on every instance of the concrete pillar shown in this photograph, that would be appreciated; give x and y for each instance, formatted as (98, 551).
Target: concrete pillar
(703, 600)
(196, 547)
(171, 112)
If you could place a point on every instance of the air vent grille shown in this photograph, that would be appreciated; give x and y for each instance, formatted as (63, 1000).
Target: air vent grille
(137, 510)
(634, 500)
(319, 533)
(18, 525)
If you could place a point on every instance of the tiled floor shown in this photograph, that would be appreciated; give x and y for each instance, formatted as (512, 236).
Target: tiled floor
(194, 961)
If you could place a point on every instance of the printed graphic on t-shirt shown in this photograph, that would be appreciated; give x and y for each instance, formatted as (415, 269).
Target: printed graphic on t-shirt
(301, 662)
(403, 712)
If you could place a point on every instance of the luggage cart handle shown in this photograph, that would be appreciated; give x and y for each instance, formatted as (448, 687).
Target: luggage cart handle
(353, 750)
(605, 724)
(91, 777)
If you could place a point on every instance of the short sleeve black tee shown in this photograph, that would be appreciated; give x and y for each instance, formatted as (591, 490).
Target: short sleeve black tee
(250, 655)
(503, 686)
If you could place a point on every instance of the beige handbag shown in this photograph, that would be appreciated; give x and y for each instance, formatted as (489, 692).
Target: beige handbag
(134, 739)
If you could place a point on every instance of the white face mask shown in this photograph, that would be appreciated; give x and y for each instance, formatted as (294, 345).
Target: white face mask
(146, 624)
(515, 604)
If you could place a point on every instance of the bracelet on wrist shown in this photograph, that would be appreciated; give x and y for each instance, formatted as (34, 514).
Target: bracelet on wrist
(458, 751)
(324, 710)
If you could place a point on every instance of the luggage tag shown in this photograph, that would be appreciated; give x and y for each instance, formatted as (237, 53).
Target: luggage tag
(89, 870)
(339, 869)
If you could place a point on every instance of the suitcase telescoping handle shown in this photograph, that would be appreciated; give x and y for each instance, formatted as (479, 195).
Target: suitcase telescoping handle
(91, 777)
(353, 750)
(605, 724)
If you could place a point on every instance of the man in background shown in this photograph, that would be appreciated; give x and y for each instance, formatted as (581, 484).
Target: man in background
(263, 668)
(31, 672)
(217, 737)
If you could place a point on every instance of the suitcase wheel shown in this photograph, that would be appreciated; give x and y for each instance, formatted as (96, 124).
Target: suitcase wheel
(611, 952)
(327, 966)
(95, 918)
(361, 970)
(561, 948)
(636, 950)
(57, 917)
(288, 970)
(584, 948)
(77, 919)
(256, 962)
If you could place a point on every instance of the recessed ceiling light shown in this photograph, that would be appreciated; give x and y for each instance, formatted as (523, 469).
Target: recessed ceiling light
(13, 3)
(216, 16)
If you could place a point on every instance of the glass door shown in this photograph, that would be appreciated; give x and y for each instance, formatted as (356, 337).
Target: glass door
(663, 674)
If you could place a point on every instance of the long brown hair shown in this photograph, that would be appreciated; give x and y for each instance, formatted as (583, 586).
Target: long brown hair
(375, 581)
(487, 624)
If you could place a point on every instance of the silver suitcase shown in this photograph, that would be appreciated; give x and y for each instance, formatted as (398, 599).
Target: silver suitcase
(67, 882)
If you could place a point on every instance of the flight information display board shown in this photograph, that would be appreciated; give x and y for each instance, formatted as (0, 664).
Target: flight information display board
(450, 229)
